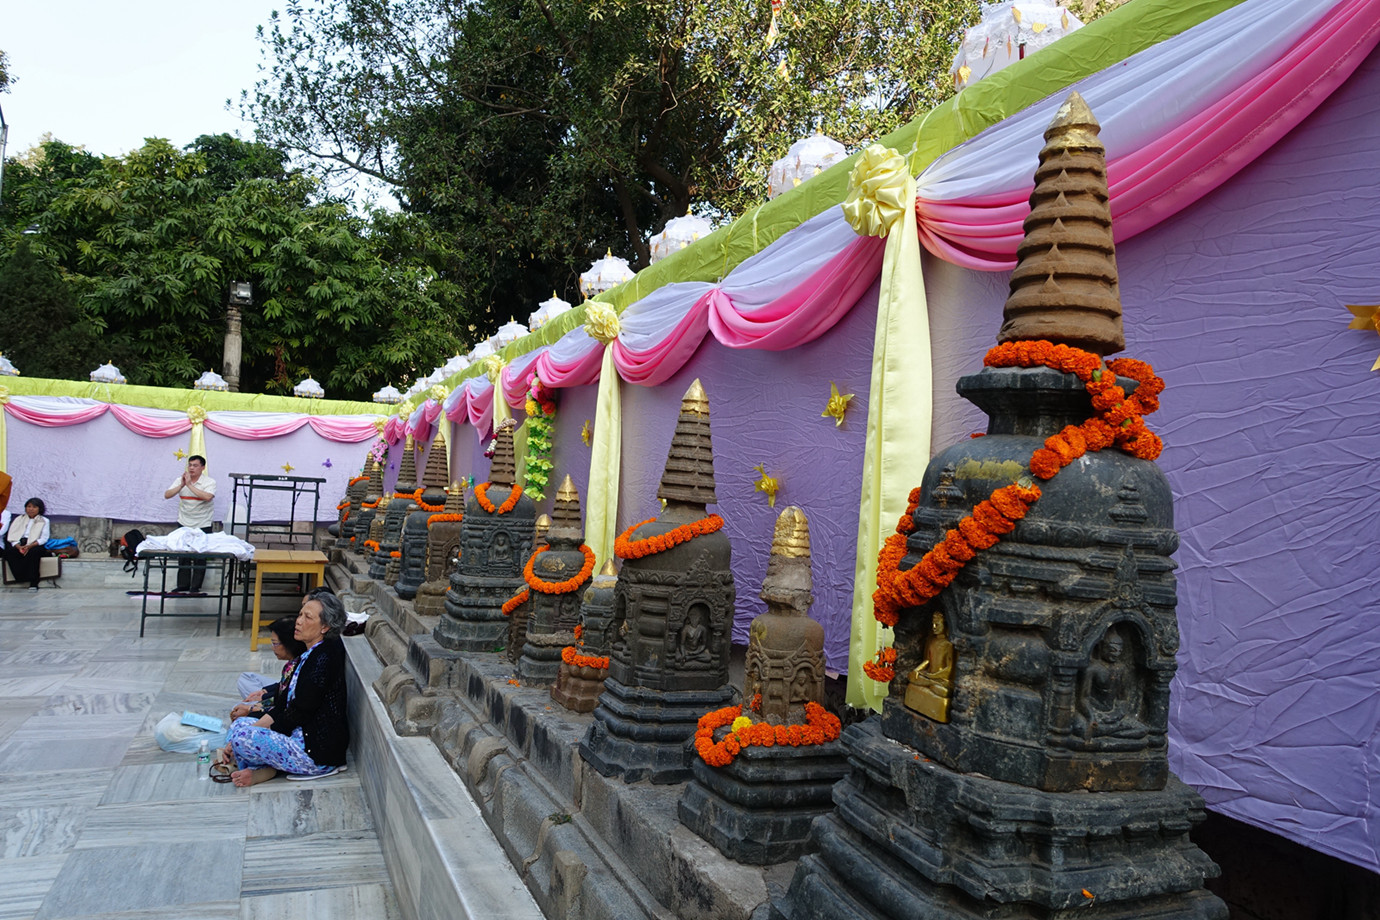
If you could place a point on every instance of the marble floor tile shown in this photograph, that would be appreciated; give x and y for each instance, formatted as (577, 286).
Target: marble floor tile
(30, 831)
(96, 705)
(15, 711)
(50, 748)
(306, 809)
(223, 817)
(24, 883)
(36, 656)
(40, 683)
(173, 780)
(214, 910)
(161, 876)
(21, 788)
(375, 902)
(328, 860)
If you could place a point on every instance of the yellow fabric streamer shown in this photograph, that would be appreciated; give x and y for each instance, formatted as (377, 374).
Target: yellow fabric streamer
(493, 369)
(196, 444)
(605, 457)
(881, 202)
(4, 400)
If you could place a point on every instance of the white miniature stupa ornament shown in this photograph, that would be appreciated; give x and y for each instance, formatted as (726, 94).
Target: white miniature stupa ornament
(1008, 32)
(211, 381)
(546, 311)
(605, 275)
(805, 159)
(107, 373)
(6, 368)
(389, 395)
(309, 389)
(678, 233)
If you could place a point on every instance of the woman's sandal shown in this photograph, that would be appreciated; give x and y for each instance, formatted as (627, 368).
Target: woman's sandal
(220, 772)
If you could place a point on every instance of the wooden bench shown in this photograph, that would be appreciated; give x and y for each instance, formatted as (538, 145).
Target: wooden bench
(49, 570)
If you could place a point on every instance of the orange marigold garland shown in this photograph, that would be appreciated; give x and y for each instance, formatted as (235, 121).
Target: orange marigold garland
(820, 727)
(355, 480)
(1118, 420)
(426, 506)
(626, 548)
(372, 544)
(516, 601)
(435, 518)
(573, 658)
(559, 587)
(481, 495)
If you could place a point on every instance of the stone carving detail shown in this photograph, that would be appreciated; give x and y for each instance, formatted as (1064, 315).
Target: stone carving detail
(416, 534)
(384, 566)
(368, 509)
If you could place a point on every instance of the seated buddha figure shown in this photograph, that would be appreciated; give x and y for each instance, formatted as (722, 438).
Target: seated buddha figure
(1109, 693)
(927, 691)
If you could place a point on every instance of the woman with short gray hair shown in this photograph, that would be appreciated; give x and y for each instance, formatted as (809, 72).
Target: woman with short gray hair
(307, 735)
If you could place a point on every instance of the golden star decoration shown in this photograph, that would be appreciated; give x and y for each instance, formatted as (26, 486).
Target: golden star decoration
(180, 453)
(1366, 317)
(768, 484)
(837, 406)
(288, 467)
(587, 433)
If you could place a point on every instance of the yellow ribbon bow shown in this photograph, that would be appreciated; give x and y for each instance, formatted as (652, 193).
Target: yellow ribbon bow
(601, 321)
(439, 392)
(878, 191)
(196, 415)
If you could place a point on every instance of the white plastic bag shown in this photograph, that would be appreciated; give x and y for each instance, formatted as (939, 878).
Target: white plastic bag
(172, 735)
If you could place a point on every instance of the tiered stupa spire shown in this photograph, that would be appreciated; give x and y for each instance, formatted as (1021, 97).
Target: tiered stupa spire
(503, 469)
(689, 474)
(1064, 288)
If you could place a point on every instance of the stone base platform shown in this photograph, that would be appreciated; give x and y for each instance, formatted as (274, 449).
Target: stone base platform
(584, 846)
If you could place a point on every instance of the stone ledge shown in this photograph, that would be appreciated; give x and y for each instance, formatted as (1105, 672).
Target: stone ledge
(587, 847)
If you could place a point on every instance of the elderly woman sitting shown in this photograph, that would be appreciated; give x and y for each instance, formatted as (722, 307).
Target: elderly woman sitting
(306, 733)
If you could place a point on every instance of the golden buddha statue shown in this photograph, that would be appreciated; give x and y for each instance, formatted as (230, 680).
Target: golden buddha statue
(927, 691)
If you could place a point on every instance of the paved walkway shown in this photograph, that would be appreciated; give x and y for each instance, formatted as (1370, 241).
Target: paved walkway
(97, 822)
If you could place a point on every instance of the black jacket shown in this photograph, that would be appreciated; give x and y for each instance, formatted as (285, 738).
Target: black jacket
(318, 705)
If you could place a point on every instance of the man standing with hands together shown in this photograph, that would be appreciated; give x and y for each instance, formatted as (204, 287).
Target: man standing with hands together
(196, 495)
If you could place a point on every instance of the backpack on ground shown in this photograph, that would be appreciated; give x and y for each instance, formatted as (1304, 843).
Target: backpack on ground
(129, 545)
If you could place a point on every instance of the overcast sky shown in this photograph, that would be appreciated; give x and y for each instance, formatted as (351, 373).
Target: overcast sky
(109, 74)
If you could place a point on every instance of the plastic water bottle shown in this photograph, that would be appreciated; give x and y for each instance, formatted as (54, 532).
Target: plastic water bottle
(203, 761)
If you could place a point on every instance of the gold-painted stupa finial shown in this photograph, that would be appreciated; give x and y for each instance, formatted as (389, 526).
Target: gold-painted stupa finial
(1064, 288)
(696, 400)
(609, 569)
(543, 525)
(567, 490)
(792, 535)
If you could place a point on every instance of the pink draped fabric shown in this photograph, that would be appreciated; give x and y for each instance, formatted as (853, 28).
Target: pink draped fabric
(422, 424)
(807, 311)
(394, 431)
(517, 377)
(657, 364)
(472, 403)
(1166, 176)
(243, 432)
(576, 372)
(151, 425)
(345, 429)
(55, 418)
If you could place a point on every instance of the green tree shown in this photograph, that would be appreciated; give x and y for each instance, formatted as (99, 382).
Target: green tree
(149, 243)
(46, 334)
(538, 133)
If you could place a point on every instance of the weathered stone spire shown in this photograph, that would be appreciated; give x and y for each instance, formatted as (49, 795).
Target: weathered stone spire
(566, 515)
(689, 475)
(455, 500)
(788, 582)
(375, 489)
(1064, 288)
(503, 469)
(437, 464)
(407, 470)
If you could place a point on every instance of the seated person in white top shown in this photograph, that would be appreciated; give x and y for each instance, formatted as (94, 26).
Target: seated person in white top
(196, 507)
(24, 542)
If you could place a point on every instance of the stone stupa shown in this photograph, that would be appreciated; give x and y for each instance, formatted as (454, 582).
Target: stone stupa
(416, 530)
(1019, 768)
(674, 607)
(495, 538)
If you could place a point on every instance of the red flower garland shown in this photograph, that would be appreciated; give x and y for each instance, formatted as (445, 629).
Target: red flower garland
(558, 587)
(1118, 420)
(481, 494)
(820, 727)
(626, 548)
